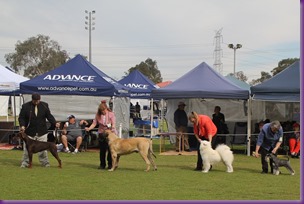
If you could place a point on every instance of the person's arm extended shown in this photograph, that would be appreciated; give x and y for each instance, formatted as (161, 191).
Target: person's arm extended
(91, 126)
(276, 147)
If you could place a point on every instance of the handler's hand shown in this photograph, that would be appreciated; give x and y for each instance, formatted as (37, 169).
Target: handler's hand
(22, 128)
(256, 154)
(274, 151)
(87, 129)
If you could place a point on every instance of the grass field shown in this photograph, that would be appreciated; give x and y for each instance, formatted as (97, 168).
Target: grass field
(175, 179)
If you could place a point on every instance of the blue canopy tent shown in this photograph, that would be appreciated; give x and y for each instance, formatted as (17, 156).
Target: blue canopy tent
(140, 86)
(284, 87)
(201, 82)
(77, 87)
(76, 77)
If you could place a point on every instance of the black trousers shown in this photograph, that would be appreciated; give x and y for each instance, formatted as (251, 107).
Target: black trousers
(103, 150)
(263, 153)
(199, 163)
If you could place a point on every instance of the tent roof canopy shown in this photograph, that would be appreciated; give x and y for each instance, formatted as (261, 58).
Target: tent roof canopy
(285, 86)
(76, 77)
(238, 82)
(201, 82)
(140, 86)
(9, 81)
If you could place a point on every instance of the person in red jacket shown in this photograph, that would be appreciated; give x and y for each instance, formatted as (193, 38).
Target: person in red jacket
(294, 141)
(204, 129)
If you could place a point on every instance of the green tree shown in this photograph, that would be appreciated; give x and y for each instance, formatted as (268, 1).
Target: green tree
(264, 76)
(240, 76)
(283, 64)
(149, 69)
(36, 55)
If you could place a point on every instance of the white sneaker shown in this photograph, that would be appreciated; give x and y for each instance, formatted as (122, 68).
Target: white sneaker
(66, 151)
(75, 152)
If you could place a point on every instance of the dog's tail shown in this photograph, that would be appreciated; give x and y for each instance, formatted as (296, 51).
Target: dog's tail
(225, 152)
(151, 148)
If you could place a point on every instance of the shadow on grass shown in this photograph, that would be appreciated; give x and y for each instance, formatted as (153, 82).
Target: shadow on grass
(10, 162)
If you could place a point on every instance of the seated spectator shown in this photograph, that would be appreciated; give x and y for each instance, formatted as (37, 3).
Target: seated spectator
(294, 141)
(72, 132)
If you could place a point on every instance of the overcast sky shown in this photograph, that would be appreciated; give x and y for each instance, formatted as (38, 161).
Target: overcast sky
(178, 34)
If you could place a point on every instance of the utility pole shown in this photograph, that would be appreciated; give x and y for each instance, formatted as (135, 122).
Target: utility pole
(90, 26)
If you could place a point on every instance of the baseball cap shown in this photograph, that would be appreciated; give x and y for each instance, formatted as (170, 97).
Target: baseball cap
(71, 116)
(181, 104)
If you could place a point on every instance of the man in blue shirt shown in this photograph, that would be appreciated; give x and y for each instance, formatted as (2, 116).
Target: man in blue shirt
(269, 141)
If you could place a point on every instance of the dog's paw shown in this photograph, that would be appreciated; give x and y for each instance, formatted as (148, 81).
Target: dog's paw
(111, 170)
(205, 171)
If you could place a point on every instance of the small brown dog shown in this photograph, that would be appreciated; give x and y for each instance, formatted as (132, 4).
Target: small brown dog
(34, 146)
(120, 147)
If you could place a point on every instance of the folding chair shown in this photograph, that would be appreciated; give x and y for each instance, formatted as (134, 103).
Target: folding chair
(72, 145)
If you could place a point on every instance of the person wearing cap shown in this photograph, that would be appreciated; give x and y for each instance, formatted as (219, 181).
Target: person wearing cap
(181, 126)
(294, 141)
(269, 140)
(72, 132)
(203, 129)
(32, 121)
(106, 120)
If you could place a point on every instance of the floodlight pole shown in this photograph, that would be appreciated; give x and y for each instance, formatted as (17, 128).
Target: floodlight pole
(238, 46)
(90, 27)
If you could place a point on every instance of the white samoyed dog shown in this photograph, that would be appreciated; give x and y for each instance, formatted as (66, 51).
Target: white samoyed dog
(210, 156)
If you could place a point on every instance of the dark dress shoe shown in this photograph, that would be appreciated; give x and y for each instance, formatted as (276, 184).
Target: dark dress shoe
(109, 167)
(264, 172)
(198, 169)
(101, 167)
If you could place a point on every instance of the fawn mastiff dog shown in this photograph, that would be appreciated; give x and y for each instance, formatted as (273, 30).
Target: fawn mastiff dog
(120, 147)
(34, 146)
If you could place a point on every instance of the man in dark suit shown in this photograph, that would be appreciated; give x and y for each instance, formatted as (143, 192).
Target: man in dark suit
(32, 120)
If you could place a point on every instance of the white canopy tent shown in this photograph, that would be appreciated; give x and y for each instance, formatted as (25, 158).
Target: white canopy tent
(9, 85)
